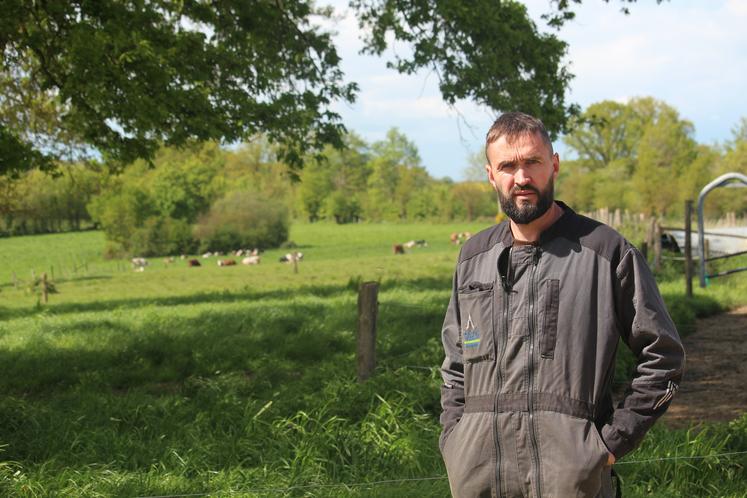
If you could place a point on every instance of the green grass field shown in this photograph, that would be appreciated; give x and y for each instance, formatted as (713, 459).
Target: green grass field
(240, 381)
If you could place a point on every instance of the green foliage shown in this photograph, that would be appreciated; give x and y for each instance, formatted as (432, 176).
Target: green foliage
(38, 202)
(665, 150)
(463, 43)
(149, 211)
(243, 220)
(641, 156)
(316, 186)
(700, 472)
(161, 235)
(604, 132)
(125, 77)
(120, 212)
(475, 200)
(735, 160)
(342, 208)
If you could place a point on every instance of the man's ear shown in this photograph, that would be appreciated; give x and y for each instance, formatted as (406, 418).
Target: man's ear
(491, 178)
(555, 165)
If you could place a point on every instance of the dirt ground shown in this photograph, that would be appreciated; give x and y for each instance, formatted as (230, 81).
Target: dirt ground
(715, 384)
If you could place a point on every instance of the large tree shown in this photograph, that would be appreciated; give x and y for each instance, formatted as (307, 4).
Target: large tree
(122, 77)
(125, 76)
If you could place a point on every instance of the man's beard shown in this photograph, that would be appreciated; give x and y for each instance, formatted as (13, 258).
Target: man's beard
(526, 213)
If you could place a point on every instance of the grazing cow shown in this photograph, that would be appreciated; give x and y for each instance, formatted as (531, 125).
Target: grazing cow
(460, 238)
(168, 260)
(193, 262)
(207, 254)
(227, 262)
(415, 243)
(139, 264)
(398, 249)
(250, 260)
(291, 256)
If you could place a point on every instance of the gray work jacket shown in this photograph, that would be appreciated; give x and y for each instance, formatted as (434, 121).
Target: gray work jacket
(530, 337)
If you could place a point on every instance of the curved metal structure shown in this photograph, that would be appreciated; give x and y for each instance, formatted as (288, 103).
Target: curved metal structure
(721, 181)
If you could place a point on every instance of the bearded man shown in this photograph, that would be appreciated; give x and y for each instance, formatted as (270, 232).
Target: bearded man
(538, 306)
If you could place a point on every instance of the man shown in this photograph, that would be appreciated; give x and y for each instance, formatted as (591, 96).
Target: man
(531, 332)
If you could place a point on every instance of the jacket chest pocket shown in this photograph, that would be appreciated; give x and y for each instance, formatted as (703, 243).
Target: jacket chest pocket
(550, 318)
(476, 312)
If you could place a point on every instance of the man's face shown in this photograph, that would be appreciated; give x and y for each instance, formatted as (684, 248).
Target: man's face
(523, 173)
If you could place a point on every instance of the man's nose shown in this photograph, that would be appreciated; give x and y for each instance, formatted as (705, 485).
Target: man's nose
(521, 176)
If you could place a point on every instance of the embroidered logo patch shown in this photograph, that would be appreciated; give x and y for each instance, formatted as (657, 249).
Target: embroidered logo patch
(471, 335)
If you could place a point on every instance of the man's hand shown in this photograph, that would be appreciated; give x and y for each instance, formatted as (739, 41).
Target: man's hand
(610, 459)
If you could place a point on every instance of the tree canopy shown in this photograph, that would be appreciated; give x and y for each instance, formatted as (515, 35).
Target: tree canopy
(121, 78)
(125, 76)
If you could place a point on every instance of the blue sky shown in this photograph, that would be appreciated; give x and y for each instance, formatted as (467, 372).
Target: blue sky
(690, 54)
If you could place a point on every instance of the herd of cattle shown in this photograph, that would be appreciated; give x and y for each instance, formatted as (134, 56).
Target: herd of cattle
(455, 238)
(249, 258)
(253, 257)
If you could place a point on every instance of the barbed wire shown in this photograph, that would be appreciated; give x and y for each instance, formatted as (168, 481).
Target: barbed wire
(693, 457)
(415, 479)
(307, 486)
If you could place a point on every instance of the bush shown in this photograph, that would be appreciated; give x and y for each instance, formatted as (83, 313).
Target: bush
(243, 220)
(162, 236)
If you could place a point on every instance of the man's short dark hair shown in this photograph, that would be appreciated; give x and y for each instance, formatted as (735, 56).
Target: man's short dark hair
(513, 125)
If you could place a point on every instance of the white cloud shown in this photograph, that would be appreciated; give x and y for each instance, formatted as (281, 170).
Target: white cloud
(737, 7)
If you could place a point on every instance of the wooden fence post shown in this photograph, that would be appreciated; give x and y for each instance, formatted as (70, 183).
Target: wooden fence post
(368, 308)
(44, 288)
(650, 235)
(688, 249)
(657, 247)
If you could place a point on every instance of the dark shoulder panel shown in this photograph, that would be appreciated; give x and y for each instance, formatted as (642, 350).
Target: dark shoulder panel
(600, 238)
(484, 240)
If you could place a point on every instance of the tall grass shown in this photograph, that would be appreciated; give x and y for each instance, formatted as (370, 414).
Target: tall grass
(241, 381)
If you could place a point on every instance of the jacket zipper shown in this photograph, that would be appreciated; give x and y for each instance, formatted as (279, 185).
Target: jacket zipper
(532, 308)
(506, 295)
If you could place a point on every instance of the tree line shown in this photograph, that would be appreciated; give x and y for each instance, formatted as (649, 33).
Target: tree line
(642, 156)
(208, 197)
(639, 156)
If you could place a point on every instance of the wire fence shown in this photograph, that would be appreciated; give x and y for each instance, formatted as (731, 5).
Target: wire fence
(275, 490)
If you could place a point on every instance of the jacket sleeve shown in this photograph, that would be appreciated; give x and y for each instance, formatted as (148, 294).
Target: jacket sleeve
(452, 369)
(649, 332)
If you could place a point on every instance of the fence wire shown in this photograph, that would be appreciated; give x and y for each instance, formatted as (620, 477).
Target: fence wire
(414, 479)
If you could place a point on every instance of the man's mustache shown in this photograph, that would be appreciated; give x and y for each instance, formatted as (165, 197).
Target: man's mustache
(517, 189)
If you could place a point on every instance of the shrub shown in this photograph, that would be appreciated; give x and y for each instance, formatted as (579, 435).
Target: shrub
(243, 220)
(162, 236)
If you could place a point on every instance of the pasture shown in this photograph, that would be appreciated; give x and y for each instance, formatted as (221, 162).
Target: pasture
(240, 381)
